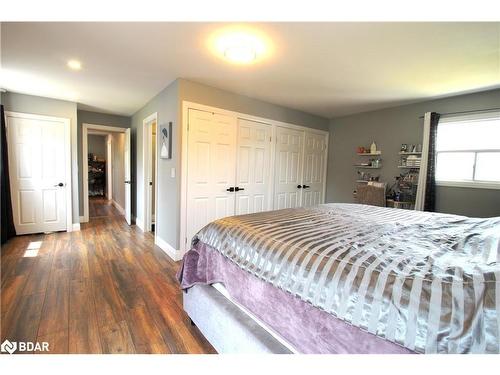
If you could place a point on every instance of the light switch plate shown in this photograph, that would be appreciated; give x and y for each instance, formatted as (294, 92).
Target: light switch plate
(172, 172)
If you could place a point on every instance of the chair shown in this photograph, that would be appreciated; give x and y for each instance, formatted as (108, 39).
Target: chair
(373, 193)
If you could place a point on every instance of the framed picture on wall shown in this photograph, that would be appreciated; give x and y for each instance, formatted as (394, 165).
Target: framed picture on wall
(166, 142)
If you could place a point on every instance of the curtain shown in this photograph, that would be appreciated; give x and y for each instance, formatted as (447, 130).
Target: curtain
(7, 224)
(426, 191)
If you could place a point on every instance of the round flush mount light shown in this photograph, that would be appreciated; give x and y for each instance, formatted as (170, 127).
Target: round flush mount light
(240, 54)
(240, 45)
(74, 64)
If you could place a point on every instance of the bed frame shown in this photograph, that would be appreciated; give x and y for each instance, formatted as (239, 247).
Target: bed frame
(226, 326)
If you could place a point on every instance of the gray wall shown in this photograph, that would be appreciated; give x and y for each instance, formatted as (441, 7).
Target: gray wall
(95, 118)
(202, 94)
(50, 107)
(166, 106)
(392, 127)
(97, 145)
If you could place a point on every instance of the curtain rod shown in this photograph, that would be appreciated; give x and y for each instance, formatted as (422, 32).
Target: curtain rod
(471, 111)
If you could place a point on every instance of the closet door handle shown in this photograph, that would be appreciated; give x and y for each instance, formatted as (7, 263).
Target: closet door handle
(238, 188)
(299, 186)
(60, 184)
(127, 182)
(305, 186)
(231, 189)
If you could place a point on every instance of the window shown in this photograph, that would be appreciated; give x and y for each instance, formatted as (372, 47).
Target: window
(468, 151)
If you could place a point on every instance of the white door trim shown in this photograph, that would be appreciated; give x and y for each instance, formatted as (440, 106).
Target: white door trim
(109, 167)
(146, 167)
(85, 165)
(186, 105)
(67, 153)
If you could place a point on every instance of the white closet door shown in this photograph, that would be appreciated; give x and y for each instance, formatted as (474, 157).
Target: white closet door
(253, 172)
(288, 164)
(37, 166)
(211, 168)
(314, 169)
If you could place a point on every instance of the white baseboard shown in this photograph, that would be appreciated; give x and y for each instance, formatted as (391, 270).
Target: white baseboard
(139, 223)
(76, 227)
(118, 207)
(169, 250)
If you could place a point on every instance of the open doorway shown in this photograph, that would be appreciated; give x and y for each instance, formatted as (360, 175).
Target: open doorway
(104, 156)
(150, 172)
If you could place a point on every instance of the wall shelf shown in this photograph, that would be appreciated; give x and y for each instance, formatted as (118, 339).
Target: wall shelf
(377, 153)
(367, 166)
(407, 167)
(410, 153)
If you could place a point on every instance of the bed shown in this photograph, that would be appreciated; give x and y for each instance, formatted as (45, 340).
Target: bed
(347, 278)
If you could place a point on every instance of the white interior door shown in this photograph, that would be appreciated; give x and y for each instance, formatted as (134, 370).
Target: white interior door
(211, 169)
(39, 175)
(128, 182)
(253, 171)
(314, 169)
(288, 164)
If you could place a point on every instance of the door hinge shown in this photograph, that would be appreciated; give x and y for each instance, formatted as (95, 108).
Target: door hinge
(188, 127)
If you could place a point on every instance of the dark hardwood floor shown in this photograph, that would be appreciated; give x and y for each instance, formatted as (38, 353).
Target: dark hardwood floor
(104, 289)
(102, 207)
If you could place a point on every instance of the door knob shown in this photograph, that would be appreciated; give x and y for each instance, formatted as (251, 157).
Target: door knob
(60, 184)
(127, 182)
(305, 186)
(299, 186)
(231, 189)
(238, 188)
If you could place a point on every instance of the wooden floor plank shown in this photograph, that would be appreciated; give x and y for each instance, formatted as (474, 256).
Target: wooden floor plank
(83, 328)
(116, 339)
(21, 321)
(55, 313)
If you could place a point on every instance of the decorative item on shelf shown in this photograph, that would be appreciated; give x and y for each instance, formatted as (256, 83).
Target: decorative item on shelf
(419, 148)
(373, 148)
(413, 161)
(404, 147)
(403, 192)
(166, 142)
(375, 163)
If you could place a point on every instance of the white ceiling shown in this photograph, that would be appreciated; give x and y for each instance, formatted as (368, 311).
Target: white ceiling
(329, 69)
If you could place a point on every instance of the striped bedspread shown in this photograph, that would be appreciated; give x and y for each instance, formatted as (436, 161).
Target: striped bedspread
(427, 281)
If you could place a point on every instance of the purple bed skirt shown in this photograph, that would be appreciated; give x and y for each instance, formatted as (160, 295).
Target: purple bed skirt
(307, 328)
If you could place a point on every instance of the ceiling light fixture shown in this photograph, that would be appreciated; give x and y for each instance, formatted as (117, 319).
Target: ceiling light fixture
(240, 45)
(74, 64)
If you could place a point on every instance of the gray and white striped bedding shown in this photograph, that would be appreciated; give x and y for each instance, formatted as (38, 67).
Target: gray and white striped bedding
(429, 282)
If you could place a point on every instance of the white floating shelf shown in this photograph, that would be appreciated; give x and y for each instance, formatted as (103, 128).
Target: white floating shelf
(362, 181)
(376, 153)
(407, 167)
(410, 153)
(367, 166)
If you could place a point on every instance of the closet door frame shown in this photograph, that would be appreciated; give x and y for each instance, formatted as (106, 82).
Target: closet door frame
(186, 106)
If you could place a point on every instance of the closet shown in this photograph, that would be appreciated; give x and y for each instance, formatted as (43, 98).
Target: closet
(238, 165)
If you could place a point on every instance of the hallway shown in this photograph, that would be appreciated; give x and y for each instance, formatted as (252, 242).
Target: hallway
(104, 289)
(102, 207)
